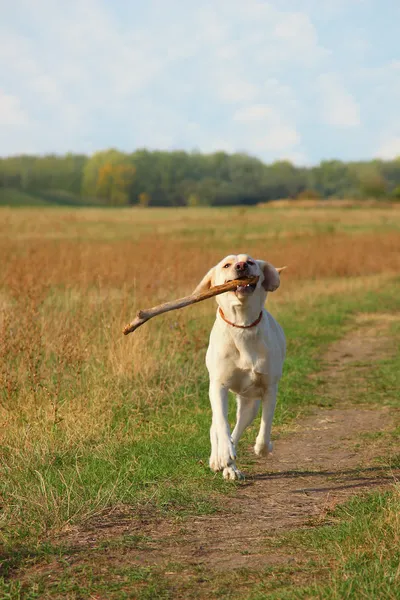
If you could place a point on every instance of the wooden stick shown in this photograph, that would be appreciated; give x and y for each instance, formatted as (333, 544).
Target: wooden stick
(149, 313)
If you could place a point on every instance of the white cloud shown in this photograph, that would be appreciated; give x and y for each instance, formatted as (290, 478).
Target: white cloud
(230, 88)
(277, 139)
(266, 130)
(325, 9)
(339, 107)
(297, 28)
(11, 112)
(255, 112)
(389, 148)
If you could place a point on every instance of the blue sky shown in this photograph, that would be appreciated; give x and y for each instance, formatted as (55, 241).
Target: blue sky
(303, 80)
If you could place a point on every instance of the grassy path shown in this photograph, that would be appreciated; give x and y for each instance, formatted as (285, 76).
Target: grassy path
(250, 547)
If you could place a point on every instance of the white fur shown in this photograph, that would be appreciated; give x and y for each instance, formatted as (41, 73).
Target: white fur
(246, 361)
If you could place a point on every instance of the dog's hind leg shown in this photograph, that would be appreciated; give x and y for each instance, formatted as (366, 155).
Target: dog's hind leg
(263, 442)
(246, 412)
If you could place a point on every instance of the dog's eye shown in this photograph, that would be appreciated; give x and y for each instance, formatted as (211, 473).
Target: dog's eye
(250, 262)
(227, 265)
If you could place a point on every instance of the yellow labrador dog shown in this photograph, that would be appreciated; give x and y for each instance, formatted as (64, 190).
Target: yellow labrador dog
(245, 355)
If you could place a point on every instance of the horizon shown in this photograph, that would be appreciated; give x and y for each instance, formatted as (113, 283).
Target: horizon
(195, 151)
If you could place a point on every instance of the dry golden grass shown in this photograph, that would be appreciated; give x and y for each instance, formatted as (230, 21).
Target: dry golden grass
(156, 264)
(70, 280)
(63, 301)
(330, 203)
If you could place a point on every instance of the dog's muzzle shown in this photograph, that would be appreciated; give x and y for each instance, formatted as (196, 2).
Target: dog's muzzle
(244, 290)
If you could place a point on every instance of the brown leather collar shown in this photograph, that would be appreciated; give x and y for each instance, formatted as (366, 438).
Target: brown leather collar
(256, 322)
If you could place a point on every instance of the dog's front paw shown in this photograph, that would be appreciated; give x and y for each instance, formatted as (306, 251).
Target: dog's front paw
(214, 463)
(232, 473)
(223, 457)
(262, 449)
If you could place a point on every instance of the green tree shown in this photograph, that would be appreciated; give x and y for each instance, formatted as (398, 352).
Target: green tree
(181, 178)
(371, 181)
(333, 178)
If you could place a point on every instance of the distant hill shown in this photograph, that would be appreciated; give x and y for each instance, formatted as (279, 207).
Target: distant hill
(15, 197)
(12, 197)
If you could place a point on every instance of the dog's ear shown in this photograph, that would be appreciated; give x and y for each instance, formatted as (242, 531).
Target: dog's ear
(206, 282)
(271, 275)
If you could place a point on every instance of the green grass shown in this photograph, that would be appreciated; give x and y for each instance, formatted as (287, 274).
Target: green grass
(226, 228)
(357, 552)
(133, 460)
(354, 554)
(134, 463)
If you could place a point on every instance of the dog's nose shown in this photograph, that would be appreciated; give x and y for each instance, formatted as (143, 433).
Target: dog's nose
(241, 266)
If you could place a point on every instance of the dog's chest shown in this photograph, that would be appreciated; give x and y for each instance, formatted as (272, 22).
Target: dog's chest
(251, 368)
(249, 383)
(253, 354)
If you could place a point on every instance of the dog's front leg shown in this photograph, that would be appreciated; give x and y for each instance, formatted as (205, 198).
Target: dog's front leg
(222, 450)
(263, 442)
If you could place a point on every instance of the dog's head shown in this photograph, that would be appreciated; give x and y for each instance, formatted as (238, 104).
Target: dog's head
(241, 266)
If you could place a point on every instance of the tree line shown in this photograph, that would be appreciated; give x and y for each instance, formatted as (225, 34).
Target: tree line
(181, 178)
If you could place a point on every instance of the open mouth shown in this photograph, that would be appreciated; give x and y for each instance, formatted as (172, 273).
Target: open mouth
(244, 289)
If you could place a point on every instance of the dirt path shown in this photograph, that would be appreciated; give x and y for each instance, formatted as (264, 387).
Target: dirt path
(317, 464)
(315, 468)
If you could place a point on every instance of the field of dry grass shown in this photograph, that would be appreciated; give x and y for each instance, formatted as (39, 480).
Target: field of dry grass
(86, 413)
